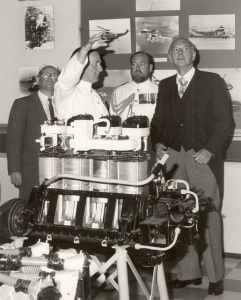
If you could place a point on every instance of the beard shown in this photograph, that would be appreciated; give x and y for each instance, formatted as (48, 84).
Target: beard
(139, 77)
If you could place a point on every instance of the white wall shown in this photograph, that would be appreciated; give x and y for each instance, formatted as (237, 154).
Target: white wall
(13, 56)
(231, 211)
(12, 44)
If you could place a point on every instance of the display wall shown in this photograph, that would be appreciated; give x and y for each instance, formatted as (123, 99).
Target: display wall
(214, 27)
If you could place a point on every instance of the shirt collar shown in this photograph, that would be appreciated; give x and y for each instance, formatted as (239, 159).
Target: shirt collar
(188, 76)
(43, 97)
(86, 84)
(142, 84)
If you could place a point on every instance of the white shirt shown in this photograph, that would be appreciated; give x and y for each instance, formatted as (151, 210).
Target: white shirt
(45, 102)
(74, 96)
(141, 103)
(188, 76)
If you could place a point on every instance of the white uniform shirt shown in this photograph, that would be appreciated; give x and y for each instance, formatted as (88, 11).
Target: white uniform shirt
(74, 97)
(133, 98)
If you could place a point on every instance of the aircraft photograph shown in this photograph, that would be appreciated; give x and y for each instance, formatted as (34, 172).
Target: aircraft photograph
(155, 34)
(116, 31)
(218, 32)
(39, 27)
(152, 5)
(27, 80)
(111, 35)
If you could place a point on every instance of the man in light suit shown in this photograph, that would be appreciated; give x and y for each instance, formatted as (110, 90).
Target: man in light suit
(191, 123)
(26, 116)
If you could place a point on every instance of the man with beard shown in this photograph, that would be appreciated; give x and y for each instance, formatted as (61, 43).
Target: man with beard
(137, 97)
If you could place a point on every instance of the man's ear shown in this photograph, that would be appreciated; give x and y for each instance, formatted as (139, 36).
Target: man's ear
(170, 57)
(37, 79)
(194, 54)
(151, 68)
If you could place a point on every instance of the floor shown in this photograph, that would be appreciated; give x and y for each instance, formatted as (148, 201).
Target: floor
(232, 284)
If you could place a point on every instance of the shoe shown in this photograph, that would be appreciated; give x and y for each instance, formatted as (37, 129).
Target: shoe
(179, 284)
(215, 288)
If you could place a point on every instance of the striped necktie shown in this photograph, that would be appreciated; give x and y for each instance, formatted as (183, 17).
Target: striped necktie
(51, 108)
(183, 86)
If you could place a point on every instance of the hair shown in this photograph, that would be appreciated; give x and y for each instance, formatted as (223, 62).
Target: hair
(178, 37)
(48, 66)
(149, 57)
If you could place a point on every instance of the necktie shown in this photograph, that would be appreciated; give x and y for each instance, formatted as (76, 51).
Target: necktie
(183, 86)
(51, 108)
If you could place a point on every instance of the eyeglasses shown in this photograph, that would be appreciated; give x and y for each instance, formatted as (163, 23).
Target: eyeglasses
(46, 75)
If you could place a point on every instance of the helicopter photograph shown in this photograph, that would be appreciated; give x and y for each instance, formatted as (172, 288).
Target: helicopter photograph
(39, 27)
(152, 5)
(116, 31)
(218, 32)
(154, 34)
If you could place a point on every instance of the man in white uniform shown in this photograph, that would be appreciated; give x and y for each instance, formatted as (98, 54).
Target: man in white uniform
(137, 97)
(73, 93)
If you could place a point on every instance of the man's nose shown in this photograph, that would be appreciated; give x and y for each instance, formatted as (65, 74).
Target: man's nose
(180, 51)
(100, 68)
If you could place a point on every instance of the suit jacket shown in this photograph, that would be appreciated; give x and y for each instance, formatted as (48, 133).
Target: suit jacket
(206, 120)
(26, 116)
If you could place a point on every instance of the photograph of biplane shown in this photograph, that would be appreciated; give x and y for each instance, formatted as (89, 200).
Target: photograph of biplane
(217, 33)
(152, 5)
(154, 34)
(116, 31)
(39, 27)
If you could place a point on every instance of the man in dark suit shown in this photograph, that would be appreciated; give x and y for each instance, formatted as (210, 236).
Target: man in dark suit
(26, 116)
(191, 123)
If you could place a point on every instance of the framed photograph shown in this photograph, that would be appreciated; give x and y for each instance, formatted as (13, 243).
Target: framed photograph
(39, 27)
(116, 31)
(155, 34)
(152, 5)
(212, 31)
(27, 80)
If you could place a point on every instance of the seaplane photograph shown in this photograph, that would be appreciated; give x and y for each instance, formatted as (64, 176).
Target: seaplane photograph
(116, 31)
(39, 27)
(217, 33)
(155, 34)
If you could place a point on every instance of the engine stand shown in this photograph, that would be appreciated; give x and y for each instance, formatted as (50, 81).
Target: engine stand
(122, 258)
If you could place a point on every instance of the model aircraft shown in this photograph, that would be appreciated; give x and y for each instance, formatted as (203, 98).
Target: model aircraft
(109, 34)
(220, 32)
